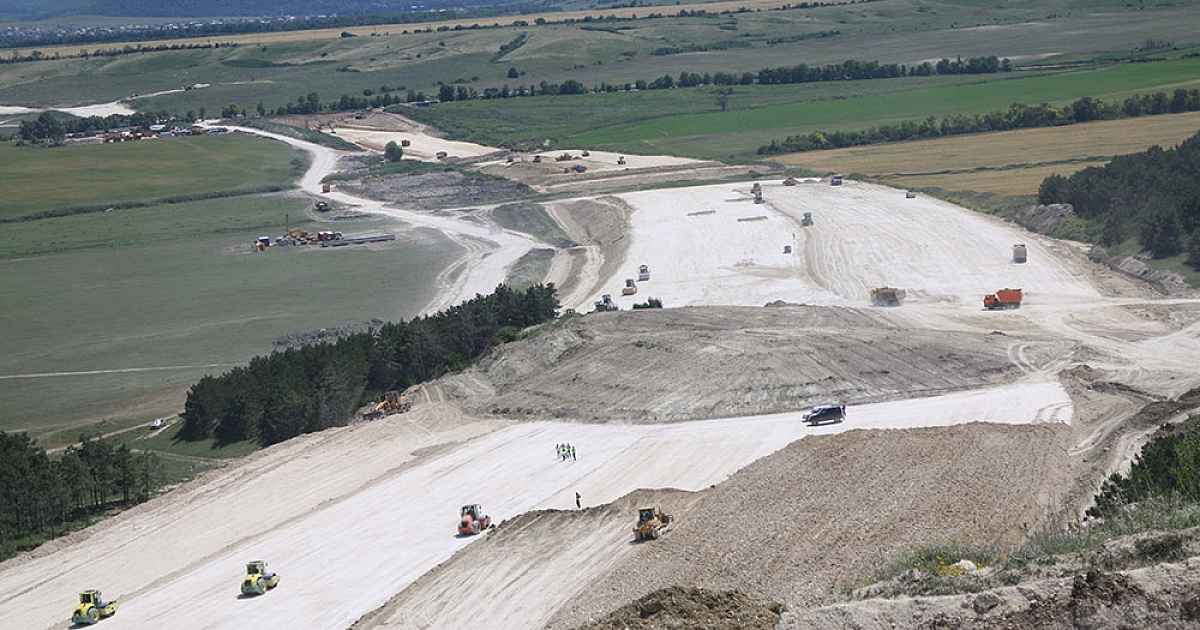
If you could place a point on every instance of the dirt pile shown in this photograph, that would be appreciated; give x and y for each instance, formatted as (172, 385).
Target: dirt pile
(1165, 596)
(690, 607)
(436, 190)
(674, 364)
(802, 525)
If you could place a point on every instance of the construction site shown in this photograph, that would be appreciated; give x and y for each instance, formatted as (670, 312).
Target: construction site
(983, 381)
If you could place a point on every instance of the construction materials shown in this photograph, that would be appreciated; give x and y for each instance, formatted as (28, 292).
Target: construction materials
(358, 240)
(643, 273)
(258, 578)
(472, 520)
(835, 179)
(807, 220)
(1019, 253)
(887, 296)
(392, 402)
(651, 523)
(825, 413)
(1003, 299)
(92, 608)
(630, 288)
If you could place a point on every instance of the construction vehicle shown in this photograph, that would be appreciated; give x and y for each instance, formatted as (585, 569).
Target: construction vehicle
(1020, 255)
(605, 304)
(787, 249)
(321, 206)
(93, 608)
(1002, 299)
(807, 220)
(472, 520)
(325, 188)
(651, 523)
(391, 403)
(405, 143)
(835, 179)
(910, 194)
(756, 190)
(643, 273)
(791, 181)
(630, 288)
(621, 160)
(887, 296)
(258, 578)
(300, 235)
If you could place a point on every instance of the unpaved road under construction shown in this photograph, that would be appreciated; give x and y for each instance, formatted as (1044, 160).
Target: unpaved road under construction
(961, 423)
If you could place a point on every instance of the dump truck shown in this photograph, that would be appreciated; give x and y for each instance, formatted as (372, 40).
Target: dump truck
(835, 179)
(643, 273)
(807, 220)
(1019, 253)
(887, 296)
(472, 520)
(651, 523)
(92, 608)
(630, 288)
(1002, 299)
(391, 403)
(258, 578)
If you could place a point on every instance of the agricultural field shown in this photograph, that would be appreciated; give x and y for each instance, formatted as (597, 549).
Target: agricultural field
(138, 172)
(1010, 163)
(110, 316)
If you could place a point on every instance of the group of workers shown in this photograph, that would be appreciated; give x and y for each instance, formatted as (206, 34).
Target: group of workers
(565, 452)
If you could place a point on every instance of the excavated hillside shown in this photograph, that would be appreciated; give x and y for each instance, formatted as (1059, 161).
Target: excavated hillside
(664, 365)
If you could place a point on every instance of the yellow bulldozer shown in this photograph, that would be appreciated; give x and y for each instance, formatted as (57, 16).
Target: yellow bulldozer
(258, 579)
(392, 402)
(651, 523)
(93, 608)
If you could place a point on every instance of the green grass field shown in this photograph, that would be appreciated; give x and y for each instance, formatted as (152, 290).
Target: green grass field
(113, 315)
(687, 121)
(139, 171)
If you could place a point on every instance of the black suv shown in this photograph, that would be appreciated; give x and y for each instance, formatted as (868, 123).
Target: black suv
(826, 413)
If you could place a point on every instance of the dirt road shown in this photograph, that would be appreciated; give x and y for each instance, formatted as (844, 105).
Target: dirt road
(359, 521)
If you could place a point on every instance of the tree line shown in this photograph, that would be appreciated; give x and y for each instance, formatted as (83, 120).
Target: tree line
(307, 389)
(1152, 196)
(1017, 116)
(1167, 467)
(42, 496)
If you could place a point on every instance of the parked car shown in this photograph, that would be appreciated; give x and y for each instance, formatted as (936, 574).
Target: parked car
(825, 413)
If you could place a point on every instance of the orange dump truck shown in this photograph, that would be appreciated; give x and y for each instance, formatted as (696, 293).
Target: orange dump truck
(1004, 298)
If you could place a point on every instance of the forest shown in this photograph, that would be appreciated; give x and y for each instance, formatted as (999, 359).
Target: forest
(307, 389)
(1152, 196)
(41, 496)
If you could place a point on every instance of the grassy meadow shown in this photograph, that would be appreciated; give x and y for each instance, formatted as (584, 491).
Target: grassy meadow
(1011, 163)
(110, 316)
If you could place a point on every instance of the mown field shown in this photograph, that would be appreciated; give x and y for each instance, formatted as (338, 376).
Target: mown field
(1010, 163)
(757, 114)
(110, 316)
(139, 171)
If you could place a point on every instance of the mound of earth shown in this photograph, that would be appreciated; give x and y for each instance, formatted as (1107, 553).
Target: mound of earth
(690, 607)
(660, 365)
(436, 190)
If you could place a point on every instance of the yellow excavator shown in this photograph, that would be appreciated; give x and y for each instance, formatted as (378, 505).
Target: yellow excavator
(93, 608)
(392, 402)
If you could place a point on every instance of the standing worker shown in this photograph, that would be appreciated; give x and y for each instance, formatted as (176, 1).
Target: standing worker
(578, 504)
(572, 453)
